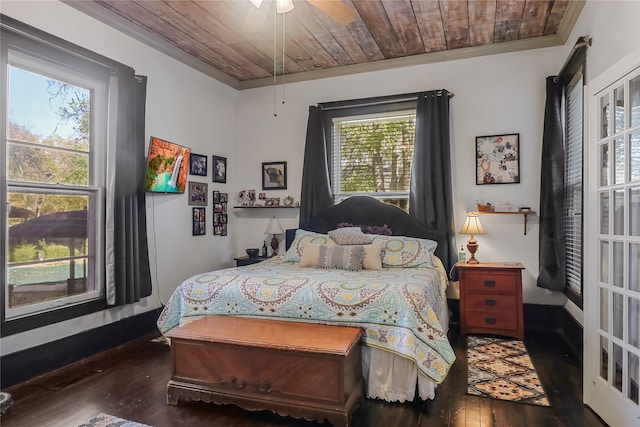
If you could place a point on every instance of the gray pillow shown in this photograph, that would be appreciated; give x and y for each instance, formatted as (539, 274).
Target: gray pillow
(350, 236)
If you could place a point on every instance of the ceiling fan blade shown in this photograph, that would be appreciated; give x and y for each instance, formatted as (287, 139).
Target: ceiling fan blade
(255, 19)
(336, 10)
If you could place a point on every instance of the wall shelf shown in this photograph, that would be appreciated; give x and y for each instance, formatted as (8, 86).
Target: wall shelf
(525, 215)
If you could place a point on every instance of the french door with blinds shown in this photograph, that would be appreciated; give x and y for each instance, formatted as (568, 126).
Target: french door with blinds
(612, 279)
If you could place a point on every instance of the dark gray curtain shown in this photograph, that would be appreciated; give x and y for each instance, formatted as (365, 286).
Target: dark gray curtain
(430, 197)
(132, 276)
(316, 186)
(551, 238)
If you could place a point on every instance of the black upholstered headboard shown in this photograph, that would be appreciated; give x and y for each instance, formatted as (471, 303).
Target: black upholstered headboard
(364, 210)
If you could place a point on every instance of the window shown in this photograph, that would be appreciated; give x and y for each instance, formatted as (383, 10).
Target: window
(371, 153)
(54, 121)
(573, 82)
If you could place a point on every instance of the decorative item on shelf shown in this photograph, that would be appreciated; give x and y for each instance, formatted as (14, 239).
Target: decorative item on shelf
(274, 228)
(472, 226)
(484, 208)
(503, 206)
(288, 201)
(252, 252)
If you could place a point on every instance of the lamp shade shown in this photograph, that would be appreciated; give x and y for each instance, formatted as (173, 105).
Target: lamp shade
(472, 225)
(284, 6)
(274, 227)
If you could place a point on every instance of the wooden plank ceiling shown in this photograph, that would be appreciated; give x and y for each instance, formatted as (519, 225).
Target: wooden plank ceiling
(237, 39)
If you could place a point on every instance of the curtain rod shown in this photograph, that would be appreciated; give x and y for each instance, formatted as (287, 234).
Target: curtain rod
(379, 100)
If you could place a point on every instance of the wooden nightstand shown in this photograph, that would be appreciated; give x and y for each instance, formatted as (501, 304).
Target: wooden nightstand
(241, 261)
(491, 298)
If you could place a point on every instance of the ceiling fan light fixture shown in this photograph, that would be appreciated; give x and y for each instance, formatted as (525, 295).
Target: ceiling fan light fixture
(284, 6)
(256, 3)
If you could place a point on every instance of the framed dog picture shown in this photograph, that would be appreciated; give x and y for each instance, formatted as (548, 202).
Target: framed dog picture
(274, 175)
(197, 165)
(219, 169)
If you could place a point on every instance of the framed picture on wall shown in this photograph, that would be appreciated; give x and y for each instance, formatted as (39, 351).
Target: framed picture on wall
(274, 175)
(199, 222)
(498, 159)
(197, 165)
(219, 169)
(197, 193)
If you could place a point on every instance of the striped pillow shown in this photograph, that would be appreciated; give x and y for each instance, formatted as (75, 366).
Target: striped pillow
(340, 257)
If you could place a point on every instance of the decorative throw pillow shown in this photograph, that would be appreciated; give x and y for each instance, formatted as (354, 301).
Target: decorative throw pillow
(310, 254)
(401, 251)
(349, 236)
(302, 237)
(372, 259)
(340, 257)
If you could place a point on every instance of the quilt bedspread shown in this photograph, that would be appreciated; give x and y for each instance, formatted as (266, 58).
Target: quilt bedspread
(395, 307)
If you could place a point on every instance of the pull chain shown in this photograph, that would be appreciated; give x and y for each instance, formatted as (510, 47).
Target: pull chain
(275, 52)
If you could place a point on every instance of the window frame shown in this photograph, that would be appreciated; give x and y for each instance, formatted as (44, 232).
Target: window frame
(381, 107)
(33, 50)
(573, 70)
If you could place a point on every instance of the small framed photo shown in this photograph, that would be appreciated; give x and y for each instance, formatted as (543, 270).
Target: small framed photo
(498, 159)
(199, 222)
(223, 230)
(274, 175)
(217, 207)
(197, 193)
(216, 197)
(219, 169)
(197, 165)
(224, 197)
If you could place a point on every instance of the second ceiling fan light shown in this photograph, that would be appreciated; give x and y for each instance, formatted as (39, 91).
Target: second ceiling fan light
(282, 6)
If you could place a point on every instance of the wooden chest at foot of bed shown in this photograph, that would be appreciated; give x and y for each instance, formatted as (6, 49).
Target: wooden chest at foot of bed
(304, 370)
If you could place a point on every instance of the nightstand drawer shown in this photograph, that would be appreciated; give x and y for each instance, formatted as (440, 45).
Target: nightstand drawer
(489, 281)
(492, 319)
(490, 302)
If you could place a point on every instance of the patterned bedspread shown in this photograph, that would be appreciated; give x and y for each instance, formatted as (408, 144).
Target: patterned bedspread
(395, 307)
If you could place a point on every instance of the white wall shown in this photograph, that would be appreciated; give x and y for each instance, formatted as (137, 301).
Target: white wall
(183, 106)
(496, 94)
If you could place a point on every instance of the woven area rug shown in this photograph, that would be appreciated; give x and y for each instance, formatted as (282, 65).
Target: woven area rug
(105, 420)
(501, 369)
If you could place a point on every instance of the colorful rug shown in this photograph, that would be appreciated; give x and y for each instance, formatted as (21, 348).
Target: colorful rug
(105, 420)
(501, 369)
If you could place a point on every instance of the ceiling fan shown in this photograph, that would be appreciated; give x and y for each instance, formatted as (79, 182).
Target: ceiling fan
(334, 9)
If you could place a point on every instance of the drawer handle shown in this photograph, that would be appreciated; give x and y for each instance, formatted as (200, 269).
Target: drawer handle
(490, 283)
(490, 320)
(490, 302)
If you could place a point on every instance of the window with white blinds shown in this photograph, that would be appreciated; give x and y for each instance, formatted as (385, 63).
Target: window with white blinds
(372, 155)
(573, 182)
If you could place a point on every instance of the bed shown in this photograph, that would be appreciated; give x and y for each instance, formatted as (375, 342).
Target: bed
(398, 299)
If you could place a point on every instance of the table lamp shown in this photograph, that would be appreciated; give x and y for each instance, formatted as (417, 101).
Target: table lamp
(274, 228)
(472, 226)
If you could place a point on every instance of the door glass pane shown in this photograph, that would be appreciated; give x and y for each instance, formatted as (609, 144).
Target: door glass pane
(604, 309)
(618, 264)
(617, 367)
(633, 384)
(634, 157)
(618, 212)
(634, 267)
(634, 96)
(634, 212)
(604, 114)
(604, 358)
(604, 212)
(605, 169)
(604, 261)
(618, 161)
(617, 310)
(634, 322)
(618, 95)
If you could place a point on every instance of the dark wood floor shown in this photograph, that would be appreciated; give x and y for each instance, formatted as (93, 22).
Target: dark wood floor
(130, 382)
